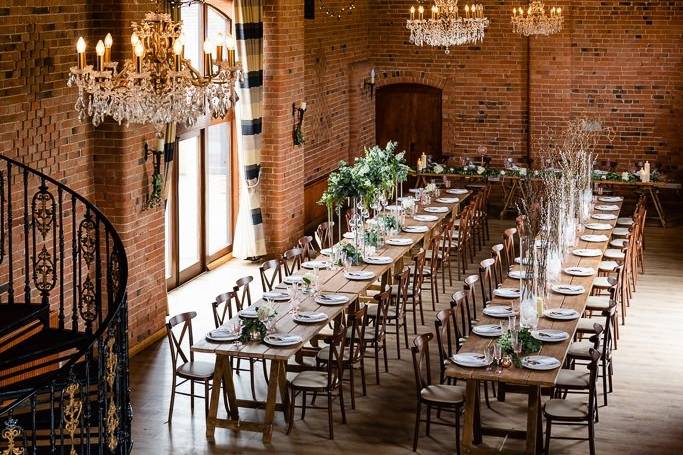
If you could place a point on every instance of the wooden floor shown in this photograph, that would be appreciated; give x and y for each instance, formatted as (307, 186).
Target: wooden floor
(644, 416)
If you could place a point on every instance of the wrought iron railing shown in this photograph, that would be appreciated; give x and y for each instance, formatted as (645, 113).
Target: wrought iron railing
(64, 363)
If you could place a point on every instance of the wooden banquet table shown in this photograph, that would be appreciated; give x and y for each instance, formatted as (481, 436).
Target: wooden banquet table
(331, 281)
(510, 186)
(532, 380)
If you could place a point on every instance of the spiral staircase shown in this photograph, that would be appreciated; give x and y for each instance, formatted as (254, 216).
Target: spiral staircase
(63, 321)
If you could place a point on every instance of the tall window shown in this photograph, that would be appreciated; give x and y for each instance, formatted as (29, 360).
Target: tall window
(200, 212)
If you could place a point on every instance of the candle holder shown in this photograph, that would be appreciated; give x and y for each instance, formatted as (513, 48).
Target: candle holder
(369, 86)
(298, 115)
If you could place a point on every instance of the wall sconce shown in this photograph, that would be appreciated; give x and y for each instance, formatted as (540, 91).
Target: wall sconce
(298, 115)
(369, 83)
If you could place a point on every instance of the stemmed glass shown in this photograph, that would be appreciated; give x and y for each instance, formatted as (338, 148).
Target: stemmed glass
(516, 343)
(498, 355)
(489, 356)
(237, 331)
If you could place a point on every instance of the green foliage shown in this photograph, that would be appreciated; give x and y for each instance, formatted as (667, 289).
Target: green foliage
(251, 325)
(390, 222)
(529, 344)
(372, 237)
(351, 251)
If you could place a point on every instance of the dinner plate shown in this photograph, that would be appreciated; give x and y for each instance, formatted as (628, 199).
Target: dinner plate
(293, 279)
(276, 296)
(618, 243)
(604, 216)
(331, 299)
(471, 360)
(448, 200)
(587, 252)
(594, 238)
(427, 218)
(507, 293)
(568, 289)
(222, 335)
(550, 335)
(310, 317)
(378, 260)
(610, 199)
(620, 231)
(561, 314)
(518, 260)
(359, 276)
(517, 274)
(248, 313)
(417, 229)
(316, 264)
(282, 340)
(327, 251)
(580, 271)
(488, 330)
(436, 209)
(607, 208)
(624, 221)
(540, 362)
(612, 253)
(349, 235)
(399, 242)
(457, 191)
(498, 311)
(599, 226)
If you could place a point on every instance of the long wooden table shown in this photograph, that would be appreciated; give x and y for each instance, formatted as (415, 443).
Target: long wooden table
(331, 281)
(535, 380)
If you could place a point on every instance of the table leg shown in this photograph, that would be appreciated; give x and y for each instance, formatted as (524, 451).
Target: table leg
(533, 429)
(658, 205)
(218, 374)
(229, 384)
(273, 384)
(284, 394)
(468, 432)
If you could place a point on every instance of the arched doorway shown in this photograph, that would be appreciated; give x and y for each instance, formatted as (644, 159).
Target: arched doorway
(411, 115)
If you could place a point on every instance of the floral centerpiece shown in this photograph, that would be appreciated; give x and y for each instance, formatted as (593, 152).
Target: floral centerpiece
(529, 344)
(256, 329)
(351, 251)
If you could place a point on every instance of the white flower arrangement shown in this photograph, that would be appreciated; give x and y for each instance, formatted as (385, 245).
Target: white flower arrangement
(604, 177)
(624, 176)
(481, 170)
(408, 203)
(438, 169)
(522, 171)
(265, 312)
(502, 172)
(430, 187)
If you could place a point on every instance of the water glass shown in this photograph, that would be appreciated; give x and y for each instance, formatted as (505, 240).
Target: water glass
(237, 330)
(498, 355)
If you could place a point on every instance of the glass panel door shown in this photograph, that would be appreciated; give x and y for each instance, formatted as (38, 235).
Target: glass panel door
(218, 190)
(189, 203)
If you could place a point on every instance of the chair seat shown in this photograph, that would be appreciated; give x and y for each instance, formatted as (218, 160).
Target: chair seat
(373, 309)
(585, 325)
(617, 243)
(394, 291)
(324, 354)
(314, 380)
(428, 254)
(425, 271)
(607, 266)
(368, 336)
(196, 370)
(625, 221)
(620, 232)
(581, 350)
(603, 282)
(443, 394)
(575, 379)
(597, 302)
(612, 253)
(566, 409)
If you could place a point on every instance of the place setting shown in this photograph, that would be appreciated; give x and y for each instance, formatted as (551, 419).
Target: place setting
(568, 289)
(471, 360)
(309, 317)
(604, 216)
(277, 296)
(598, 226)
(507, 293)
(448, 200)
(498, 311)
(224, 334)
(594, 238)
(426, 218)
(488, 330)
(416, 229)
(282, 340)
(331, 299)
(587, 252)
(579, 271)
(377, 260)
(457, 191)
(518, 274)
(436, 209)
(399, 241)
(606, 208)
(361, 275)
(550, 335)
(561, 314)
(540, 362)
(610, 199)
(311, 265)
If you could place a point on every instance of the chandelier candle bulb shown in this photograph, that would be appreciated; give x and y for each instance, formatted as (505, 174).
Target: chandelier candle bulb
(420, 11)
(412, 13)
(177, 51)
(220, 42)
(99, 49)
(108, 42)
(80, 49)
(139, 52)
(208, 58)
(230, 46)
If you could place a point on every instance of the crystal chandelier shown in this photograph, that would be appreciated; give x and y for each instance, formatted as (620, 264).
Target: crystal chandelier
(536, 22)
(157, 85)
(445, 27)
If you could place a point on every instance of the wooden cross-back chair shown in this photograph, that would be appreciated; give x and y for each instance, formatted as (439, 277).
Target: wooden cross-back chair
(396, 314)
(499, 270)
(324, 235)
(487, 280)
(376, 336)
(271, 274)
(242, 290)
(469, 289)
(292, 259)
(417, 281)
(509, 247)
(306, 245)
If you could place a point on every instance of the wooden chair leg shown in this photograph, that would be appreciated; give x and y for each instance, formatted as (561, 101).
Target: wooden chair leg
(591, 436)
(398, 338)
(405, 330)
(376, 348)
(429, 420)
(457, 430)
(362, 376)
(303, 404)
(206, 397)
(341, 402)
(417, 425)
(329, 414)
(251, 378)
(170, 408)
(292, 399)
(192, 396)
(548, 424)
(352, 386)
(384, 351)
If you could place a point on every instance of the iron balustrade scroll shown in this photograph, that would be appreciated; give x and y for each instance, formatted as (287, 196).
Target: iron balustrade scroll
(62, 256)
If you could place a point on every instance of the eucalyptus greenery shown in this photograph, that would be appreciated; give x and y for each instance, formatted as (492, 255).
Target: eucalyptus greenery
(390, 222)
(351, 251)
(530, 344)
(252, 325)
(372, 237)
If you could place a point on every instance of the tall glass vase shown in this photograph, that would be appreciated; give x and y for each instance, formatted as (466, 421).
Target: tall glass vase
(528, 306)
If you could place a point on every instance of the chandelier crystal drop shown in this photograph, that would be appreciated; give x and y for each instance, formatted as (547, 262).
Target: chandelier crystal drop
(157, 85)
(534, 21)
(445, 27)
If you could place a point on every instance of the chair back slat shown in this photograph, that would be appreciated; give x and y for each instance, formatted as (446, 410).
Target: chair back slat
(324, 235)
(271, 274)
(306, 245)
(292, 259)
(486, 280)
(176, 343)
(421, 361)
(243, 292)
(223, 306)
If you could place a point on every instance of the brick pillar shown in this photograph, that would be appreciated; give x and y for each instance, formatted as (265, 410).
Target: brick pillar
(283, 163)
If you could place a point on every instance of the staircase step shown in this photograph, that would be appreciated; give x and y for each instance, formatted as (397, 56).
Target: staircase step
(14, 316)
(42, 344)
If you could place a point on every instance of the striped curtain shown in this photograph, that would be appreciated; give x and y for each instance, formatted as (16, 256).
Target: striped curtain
(249, 236)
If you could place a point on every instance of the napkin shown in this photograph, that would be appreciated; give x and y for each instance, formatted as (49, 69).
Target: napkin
(471, 358)
(499, 309)
(275, 295)
(551, 334)
(331, 298)
(284, 338)
(221, 332)
(541, 361)
(563, 312)
(312, 316)
(488, 328)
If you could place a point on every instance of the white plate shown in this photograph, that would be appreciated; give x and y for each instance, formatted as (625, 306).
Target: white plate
(417, 229)
(610, 199)
(393, 207)
(621, 231)
(507, 293)
(282, 340)
(331, 299)
(517, 274)
(248, 313)
(488, 330)
(399, 242)
(498, 311)
(550, 335)
(587, 252)
(540, 362)
(327, 251)
(568, 289)
(293, 279)
(470, 360)
(599, 226)
(349, 235)
(448, 200)
(276, 296)
(457, 191)
(624, 221)
(618, 243)
(319, 264)
(607, 208)
(378, 260)
(221, 335)
(612, 253)
(427, 218)
(436, 209)
(580, 271)
(604, 216)
(415, 190)
(359, 276)
(518, 260)
(310, 317)
(595, 238)
(561, 314)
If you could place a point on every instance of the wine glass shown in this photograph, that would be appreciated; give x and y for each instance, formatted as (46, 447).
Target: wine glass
(498, 355)
(516, 343)
(237, 331)
(489, 352)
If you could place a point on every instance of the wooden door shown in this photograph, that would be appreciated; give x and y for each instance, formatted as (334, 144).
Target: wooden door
(411, 115)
